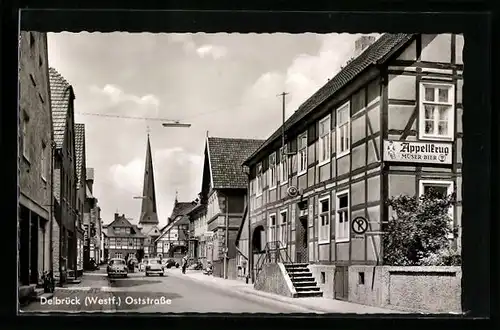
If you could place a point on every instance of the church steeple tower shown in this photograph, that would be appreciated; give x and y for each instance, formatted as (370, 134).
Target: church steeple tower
(149, 214)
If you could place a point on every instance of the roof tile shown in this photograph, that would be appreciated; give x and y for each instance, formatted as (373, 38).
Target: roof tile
(60, 93)
(226, 157)
(79, 149)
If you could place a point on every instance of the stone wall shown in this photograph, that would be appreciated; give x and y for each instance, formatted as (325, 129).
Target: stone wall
(324, 276)
(417, 288)
(273, 278)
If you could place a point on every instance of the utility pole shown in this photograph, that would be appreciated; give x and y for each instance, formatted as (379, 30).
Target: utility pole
(283, 95)
(226, 238)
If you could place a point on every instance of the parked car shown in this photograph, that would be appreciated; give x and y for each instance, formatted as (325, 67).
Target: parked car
(154, 266)
(117, 267)
(171, 263)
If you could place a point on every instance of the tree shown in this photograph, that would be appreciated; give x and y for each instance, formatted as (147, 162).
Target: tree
(418, 234)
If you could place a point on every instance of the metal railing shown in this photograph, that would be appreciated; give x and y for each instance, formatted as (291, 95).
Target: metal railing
(274, 252)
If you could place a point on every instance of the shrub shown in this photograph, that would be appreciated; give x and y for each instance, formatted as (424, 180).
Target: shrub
(418, 234)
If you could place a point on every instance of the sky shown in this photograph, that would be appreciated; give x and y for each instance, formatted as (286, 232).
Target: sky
(223, 84)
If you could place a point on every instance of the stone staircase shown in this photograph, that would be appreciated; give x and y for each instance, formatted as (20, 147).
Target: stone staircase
(303, 280)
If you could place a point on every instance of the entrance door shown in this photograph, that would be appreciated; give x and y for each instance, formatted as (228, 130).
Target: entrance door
(34, 249)
(301, 248)
(24, 243)
(341, 282)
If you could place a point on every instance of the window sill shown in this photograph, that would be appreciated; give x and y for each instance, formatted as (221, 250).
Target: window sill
(342, 240)
(323, 242)
(342, 154)
(436, 138)
(271, 188)
(301, 173)
(283, 183)
(258, 195)
(43, 179)
(324, 162)
(26, 159)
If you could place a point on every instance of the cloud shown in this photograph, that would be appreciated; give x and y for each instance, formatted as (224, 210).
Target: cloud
(307, 73)
(203, 51)
(210, 50)
(174, 170)
(116, 95)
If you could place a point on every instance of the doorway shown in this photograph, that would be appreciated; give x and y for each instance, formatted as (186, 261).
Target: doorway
(24, 246)
(301, 249)
(34, 249)
(341, 282)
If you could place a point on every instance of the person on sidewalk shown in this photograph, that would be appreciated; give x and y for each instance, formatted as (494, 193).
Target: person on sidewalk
(184, 264)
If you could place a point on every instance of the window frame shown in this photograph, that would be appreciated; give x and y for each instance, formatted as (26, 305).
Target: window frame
(43, 162)
(299, 152)
(325, 159)
(337, 223)
(283, 240)
(271, 228)
(450, 185)
(258, 182)
(272, 170)
(450, 136)
(338, 148)
(24, 137)
(284, 166)
(329, 217)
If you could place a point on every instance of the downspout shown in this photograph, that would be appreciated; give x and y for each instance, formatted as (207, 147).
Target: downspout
(51, 207)
(249, 227)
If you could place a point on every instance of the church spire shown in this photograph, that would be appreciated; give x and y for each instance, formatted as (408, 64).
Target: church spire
(148, 210)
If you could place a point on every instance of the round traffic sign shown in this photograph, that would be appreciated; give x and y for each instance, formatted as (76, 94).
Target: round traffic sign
(359, 225)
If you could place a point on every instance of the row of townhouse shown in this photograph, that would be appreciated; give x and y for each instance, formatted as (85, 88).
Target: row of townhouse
(51, 170)
(389, 123)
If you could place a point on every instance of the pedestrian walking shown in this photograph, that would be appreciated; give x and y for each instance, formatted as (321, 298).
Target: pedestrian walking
(184, 264)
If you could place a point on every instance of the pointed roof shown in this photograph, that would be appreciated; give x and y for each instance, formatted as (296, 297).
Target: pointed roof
(225, 157)
(149, 213)
(61, 93)
(122, 221)
(179, 216)
(79, 150)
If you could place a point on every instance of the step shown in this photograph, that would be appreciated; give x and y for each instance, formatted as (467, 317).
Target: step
(304, 283)
(300, 274)
(304, 294)
(296, 265)
(297, 269)
(302, 279)
(306, 288)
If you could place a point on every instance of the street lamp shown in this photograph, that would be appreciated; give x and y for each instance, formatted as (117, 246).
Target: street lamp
(176, 124)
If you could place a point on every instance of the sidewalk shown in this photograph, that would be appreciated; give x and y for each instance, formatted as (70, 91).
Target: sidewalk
(313, 304)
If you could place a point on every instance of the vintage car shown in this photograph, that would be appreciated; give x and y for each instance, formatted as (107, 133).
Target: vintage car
(154, 266)
(117, 267)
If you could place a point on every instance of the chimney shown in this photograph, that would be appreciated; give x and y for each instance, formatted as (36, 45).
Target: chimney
(116, 216)
(362, 43)
(90, 179)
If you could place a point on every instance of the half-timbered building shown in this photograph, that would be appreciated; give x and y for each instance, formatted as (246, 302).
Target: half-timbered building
(388, 123)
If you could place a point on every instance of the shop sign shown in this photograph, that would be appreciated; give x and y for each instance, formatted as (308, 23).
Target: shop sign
(418, 152)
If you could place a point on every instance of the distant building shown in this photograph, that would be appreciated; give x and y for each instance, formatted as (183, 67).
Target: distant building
(92, 219)
(65, 231)
(81, 186)
(35, 160)
(173, 241)
(224, 192)
(123, 239)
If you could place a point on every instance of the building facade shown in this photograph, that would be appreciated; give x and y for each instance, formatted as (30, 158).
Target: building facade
(81, 184)
(64, 229)
(198, 233)
(92, 222)
(123, 239)
(35, 159)
(224, 192)
(174, 238)
(388, 124)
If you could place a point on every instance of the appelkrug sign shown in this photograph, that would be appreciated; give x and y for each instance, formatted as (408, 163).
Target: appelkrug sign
(417, 152)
